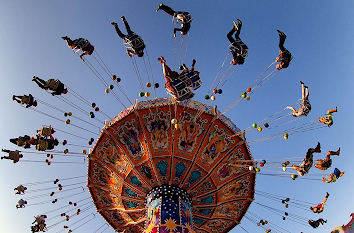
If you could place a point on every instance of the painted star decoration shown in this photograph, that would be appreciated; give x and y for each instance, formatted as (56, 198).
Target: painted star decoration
(170, 224)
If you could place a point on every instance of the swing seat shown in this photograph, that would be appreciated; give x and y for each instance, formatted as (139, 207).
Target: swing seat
(81, 42)
(191, 79)
(134, 42)
(186, 15)
(195, 79)
(179, 90)
(244, 49)
(42, 145)
(27, 99)
(84, 45)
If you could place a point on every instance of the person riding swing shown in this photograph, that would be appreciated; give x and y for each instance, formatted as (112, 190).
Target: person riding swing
(285, 56)
(174, 85)
(55, 85)
(135, 44)
(80, 44)
(184, 18)
(238, 49)
(305, 106)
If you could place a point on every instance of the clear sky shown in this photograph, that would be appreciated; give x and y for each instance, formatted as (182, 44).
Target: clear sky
(320, 37)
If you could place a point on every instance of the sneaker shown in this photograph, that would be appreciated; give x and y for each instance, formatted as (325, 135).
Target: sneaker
(318, 147)
(338, 151)
(158, 8)
(281, 34)
(301, 82)
(114, 23)
(235, 25)
(13, 97)
(161, 59)
(123, 18)
(239, 22)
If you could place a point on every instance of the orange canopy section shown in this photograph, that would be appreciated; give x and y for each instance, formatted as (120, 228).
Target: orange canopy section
(348, 228)
(204, 153)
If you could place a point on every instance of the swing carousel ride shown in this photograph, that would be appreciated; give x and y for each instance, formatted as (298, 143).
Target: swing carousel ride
(163, 164)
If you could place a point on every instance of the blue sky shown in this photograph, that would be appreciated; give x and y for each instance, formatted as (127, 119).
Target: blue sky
(319, 36)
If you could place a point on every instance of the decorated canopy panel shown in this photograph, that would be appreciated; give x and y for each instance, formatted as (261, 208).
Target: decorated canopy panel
(162, 142)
